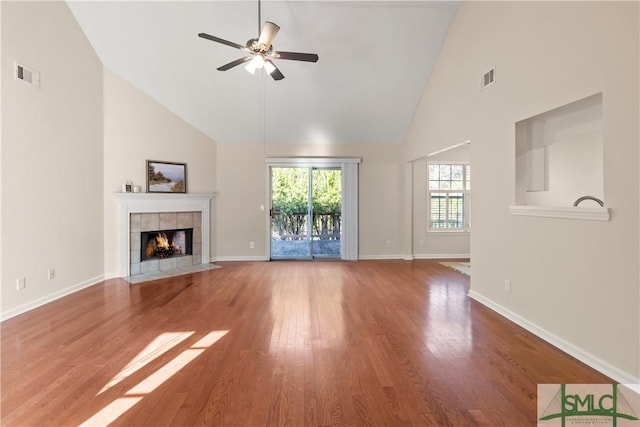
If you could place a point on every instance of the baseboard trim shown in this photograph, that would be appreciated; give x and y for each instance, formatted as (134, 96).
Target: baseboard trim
(562, 344)
(50, 298)
(109, 276)
(261, 258)
(360, 257)
(379, 257)
(441, 256)
(239, 258)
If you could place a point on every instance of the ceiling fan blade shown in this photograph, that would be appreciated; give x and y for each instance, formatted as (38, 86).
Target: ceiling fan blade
(235, 63)
(268, 33)
(295, 56)
(223, 41)
(276, 73)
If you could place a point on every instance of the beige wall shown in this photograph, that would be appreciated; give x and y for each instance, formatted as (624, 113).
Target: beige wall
(52, 213)
(242, 189)
(577, 282)
(137, 129)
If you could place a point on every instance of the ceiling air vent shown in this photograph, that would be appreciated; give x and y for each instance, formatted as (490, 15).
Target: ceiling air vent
(26, 74)
(488, 78)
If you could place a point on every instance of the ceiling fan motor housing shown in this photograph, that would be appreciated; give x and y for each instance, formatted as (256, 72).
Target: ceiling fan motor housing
(255, 47)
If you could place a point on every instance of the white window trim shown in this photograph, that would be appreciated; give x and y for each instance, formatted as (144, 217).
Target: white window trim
(467, 204)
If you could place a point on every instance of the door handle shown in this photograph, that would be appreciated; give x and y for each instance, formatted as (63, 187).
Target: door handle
(273, 212)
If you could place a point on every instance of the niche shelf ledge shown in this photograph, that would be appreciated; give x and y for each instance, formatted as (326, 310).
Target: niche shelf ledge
(566, 212)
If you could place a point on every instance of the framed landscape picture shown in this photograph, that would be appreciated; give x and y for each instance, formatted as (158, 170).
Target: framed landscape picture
(166, 177)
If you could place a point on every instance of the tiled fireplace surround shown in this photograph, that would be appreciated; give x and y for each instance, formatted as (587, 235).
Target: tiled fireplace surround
(155, 212)
(156, 221)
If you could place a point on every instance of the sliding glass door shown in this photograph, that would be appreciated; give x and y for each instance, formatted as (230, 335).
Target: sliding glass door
(306, 218)
(290, 196)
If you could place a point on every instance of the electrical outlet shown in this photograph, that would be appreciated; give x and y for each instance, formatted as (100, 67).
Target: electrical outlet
(252, 245)
(21, 283)
(387, 244)
(51, 273)
(507, 285)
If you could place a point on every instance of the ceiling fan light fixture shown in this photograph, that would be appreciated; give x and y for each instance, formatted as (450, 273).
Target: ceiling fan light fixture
(254, 64)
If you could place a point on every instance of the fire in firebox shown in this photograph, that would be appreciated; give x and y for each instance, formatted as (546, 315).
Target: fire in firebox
(162, 247)
(165, 244)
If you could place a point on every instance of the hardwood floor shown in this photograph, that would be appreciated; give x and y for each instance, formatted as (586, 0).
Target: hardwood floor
(375, 343)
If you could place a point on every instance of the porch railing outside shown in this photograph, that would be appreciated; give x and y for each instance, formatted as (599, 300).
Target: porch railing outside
(293, 226)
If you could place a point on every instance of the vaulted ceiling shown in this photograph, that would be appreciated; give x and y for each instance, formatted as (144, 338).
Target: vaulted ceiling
(374, 61)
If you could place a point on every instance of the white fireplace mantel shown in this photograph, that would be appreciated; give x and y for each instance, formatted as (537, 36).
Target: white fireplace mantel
(131, 203)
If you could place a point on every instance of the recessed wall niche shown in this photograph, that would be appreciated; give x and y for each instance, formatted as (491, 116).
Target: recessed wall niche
(559, 155)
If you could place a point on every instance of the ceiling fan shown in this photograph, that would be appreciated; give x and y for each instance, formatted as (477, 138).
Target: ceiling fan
(261, 51)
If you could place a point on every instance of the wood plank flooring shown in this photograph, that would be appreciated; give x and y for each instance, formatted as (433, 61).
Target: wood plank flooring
(369, 343)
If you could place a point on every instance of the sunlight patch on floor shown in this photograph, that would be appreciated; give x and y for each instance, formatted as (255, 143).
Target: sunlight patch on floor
(158, 378)
(155, 349)
(119, 406)
(109, 413)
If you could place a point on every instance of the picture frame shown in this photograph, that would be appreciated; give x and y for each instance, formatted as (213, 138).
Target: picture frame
(166, 177)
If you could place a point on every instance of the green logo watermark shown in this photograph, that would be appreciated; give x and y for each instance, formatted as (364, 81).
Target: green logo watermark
(588, 405)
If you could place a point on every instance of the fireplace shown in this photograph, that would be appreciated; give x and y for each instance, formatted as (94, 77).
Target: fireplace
(162, 244)
(142, 212)
(162, 241)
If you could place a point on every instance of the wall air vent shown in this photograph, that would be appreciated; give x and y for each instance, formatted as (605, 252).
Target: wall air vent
(488, 78)
(26, 74)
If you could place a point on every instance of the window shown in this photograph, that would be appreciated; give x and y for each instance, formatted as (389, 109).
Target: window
(449, 187)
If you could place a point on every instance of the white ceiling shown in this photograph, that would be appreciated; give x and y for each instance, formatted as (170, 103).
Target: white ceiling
(375, 58)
